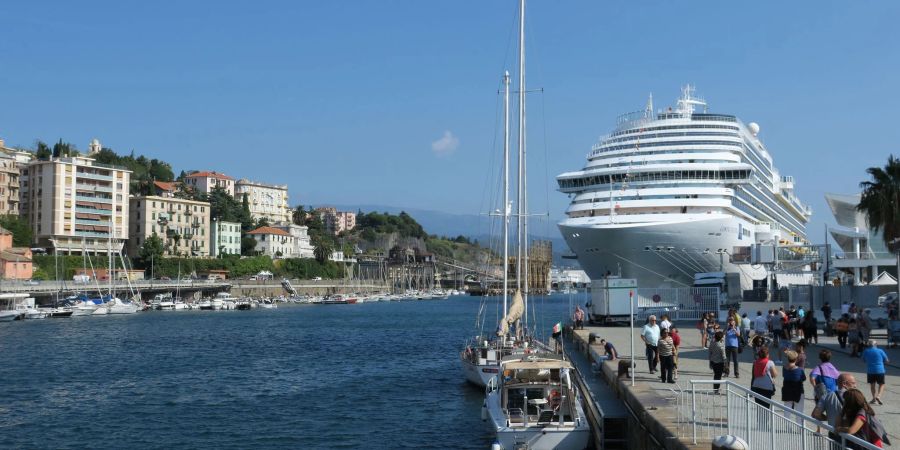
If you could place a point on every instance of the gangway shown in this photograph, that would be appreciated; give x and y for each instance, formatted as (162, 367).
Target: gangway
(286, 284)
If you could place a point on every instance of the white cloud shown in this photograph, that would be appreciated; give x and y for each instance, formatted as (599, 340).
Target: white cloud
(446, 145)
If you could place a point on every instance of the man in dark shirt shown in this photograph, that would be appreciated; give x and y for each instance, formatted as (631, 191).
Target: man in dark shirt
(610, 350)
(826, 311)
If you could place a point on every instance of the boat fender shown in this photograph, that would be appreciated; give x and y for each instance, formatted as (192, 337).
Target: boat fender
(484, 413)
(496, 446)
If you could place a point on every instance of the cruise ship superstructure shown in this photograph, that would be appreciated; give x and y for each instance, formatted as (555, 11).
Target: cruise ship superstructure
(670, 193)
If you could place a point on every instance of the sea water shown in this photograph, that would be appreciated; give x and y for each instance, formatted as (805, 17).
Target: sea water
(373, 375)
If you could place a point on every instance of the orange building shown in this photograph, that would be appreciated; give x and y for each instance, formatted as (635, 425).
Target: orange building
(15, 262)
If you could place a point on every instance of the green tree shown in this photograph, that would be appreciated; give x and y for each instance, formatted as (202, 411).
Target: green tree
(880, 201)
(322, 250)
(246, 218)
(42, 151)
(298, 216)
(248, 246)
(19, 228)
(152, 248)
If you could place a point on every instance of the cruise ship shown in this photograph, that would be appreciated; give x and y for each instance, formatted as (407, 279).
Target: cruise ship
(671, 193)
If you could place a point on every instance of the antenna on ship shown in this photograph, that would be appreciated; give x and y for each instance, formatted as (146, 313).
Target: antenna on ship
(648, 113)
(687, 101)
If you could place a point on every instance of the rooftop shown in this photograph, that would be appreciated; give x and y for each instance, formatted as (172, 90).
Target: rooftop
(209, 174)
(269, 230)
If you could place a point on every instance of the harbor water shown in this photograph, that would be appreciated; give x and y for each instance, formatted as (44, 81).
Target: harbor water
(373, 375)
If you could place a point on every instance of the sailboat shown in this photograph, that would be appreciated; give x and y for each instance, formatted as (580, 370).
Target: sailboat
(531, 401)
(115, 305)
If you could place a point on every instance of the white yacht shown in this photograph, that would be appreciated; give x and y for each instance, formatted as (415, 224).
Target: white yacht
(10, 306)
(533, 404)
(116, 305)
(670, 193)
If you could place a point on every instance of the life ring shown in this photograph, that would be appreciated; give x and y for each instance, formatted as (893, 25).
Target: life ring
(554, 399)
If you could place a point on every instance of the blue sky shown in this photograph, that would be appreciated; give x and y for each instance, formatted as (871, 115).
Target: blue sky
(394, 102)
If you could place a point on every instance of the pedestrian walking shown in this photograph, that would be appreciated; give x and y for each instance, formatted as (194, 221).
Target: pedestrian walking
(676, 339)
(666, 355)
(650, 336)
(800, 348)
(764, 374)
(853, 337)
(810, 328)
(826, 312)
(842, 329)
(746, 324)
(732, 347)
(711, 325)
(845, 308)
(777, 325)
(701, 325)
(792, 388)
(830, 405)
(760, 324)
(716, 355)
(824, 377)
(664, 323)
(858, 418)
(875, 359)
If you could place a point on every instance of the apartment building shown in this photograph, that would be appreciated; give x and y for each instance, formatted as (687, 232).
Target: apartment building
(75, 203)
(225, 238)
(336, 221)
(206, 181)
(269, 201)
(11, 162)
(183, 225)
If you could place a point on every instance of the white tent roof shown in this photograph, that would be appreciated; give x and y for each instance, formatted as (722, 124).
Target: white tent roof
(884, 279)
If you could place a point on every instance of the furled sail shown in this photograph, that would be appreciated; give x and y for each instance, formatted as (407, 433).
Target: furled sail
(513, 315)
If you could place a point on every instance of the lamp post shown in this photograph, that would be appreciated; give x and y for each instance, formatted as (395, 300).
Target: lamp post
(631, 305)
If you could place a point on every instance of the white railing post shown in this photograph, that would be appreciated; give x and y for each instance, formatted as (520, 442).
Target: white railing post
(728, 407)
(771, 418)
(694, 412)
(749, 431)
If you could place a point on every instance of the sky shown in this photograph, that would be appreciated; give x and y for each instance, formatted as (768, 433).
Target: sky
(396, 102)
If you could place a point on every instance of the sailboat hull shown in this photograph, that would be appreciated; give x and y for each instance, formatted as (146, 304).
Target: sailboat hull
(479, 375)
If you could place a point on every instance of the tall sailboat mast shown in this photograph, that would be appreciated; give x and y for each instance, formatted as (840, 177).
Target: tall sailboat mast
(522, 257)
(505, 190)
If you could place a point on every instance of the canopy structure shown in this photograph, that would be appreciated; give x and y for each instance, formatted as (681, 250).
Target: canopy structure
(884, 279)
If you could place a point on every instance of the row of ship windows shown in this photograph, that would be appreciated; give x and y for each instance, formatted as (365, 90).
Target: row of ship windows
(767, 212)
(667, 135)
(678, 151)
(661, 162)
(674, 127)
(645, 197)
(605, 148)
(776, 209)
(655, 176)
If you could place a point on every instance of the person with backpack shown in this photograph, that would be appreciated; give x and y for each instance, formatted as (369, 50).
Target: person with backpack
(875, 359)
(764, 374)
(824, 377)
(829, 407)
(858, 419)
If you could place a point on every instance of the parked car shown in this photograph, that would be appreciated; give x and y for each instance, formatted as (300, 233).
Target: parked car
(317, 279)
(886, 299)
(165, 279)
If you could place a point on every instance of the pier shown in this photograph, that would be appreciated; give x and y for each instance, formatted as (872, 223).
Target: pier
(687, 415)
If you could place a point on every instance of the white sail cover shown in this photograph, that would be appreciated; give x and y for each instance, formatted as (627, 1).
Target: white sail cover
(514, 314)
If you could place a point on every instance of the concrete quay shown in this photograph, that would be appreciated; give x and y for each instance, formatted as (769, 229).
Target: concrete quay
(657, 405)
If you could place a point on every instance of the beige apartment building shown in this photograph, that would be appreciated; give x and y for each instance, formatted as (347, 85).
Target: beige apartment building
(183, 225)
(11, 162)
(269, 201)
(75, 203)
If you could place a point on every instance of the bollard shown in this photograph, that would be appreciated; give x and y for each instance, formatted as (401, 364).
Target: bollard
(592, 338)
(728, 442)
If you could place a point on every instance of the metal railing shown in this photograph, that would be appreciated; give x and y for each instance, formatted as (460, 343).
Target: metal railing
(705, 413)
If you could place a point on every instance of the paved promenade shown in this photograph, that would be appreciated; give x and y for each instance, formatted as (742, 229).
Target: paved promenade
(659, 399)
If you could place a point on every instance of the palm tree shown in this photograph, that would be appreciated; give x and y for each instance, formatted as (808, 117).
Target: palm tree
(880, 202)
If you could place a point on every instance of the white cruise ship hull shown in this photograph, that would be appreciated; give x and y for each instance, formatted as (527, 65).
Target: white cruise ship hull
(663, 254)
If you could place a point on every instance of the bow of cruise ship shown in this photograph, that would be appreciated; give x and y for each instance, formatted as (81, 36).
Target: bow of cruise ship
(670, 193)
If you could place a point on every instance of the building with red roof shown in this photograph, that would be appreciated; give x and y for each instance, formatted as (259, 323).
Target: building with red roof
(206, 181)
(273, 242)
